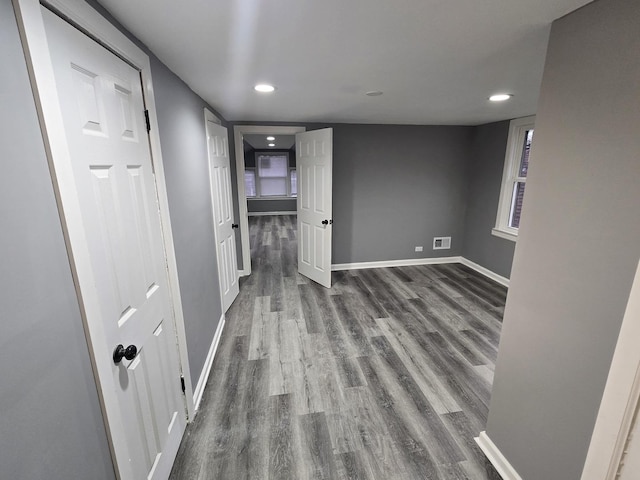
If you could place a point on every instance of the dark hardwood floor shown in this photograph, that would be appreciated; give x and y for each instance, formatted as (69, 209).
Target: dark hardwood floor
(387, 375)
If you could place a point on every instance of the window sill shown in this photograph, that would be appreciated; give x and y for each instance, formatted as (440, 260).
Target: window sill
(502, 234)
(270, 198)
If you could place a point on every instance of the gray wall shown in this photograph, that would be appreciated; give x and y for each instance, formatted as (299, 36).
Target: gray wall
(50, 425)
(184, 153)
(486, 161)
(396, 187)
(275, 205)
(578, 246)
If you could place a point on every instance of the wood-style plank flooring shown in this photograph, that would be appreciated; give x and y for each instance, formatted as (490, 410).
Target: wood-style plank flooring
(387, 375)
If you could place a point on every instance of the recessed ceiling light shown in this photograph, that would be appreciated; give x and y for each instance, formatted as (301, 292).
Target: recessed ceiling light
(271, 139)
(374, 93)
(500, 97)
(272, 144)
(264, 88)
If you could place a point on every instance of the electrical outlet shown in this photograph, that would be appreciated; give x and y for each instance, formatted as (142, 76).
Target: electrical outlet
(419, 249)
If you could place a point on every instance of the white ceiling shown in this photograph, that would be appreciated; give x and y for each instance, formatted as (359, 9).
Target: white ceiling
(260, 142)
(436, 61)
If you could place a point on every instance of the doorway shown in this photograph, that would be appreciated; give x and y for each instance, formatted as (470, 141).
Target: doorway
(239, 132)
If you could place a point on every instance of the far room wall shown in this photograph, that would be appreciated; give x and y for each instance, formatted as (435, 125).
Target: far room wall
(395, 187)
(268, 205)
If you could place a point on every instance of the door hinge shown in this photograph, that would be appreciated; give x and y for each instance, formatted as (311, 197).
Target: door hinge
(146, 117)
(182, 383)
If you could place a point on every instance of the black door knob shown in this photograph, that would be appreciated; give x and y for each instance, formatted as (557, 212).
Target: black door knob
(325, 222)
(234, 225)
(120, 352)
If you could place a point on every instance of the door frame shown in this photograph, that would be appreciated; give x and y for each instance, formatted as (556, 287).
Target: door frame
(238, 135)
(38, 59)
(620, 399)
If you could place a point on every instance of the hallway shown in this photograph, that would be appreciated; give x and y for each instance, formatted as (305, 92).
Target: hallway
(387, 375)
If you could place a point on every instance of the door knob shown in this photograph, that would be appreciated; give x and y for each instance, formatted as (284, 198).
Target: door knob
(325, 222)
(234, 225)
(120, 352)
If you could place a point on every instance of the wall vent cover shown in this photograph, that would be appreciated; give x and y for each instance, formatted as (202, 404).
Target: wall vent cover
(441, 243)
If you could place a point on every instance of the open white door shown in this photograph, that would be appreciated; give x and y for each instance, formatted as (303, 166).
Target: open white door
(222, 203)
(314, 158)
(117, 246)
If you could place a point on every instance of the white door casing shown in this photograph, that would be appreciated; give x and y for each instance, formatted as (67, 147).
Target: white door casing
(126, 206)
(222, 204)
(614, 451)
(314, 162)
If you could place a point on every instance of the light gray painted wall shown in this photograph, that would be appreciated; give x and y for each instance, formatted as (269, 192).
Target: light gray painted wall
(486, 161)
(395, 187)
(578, 246)
(184, 152)
(50, 421)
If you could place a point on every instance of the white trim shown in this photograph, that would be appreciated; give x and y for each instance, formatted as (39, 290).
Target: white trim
(495, 456)
(264, 214)
(395, 263)
(238, 133)
(517, 129)
(620, 398)
(268, 199)
(503, 234)
(485, 271)
(36, 49)
(208, 363)
(423, 261)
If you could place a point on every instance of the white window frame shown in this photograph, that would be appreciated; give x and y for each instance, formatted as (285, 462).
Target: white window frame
(291, 195)
(517, 131)
(255, 182)
(256, 169)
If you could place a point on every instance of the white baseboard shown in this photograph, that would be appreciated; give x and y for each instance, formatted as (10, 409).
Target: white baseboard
(395, 263)
(264, 214)
(204, 375)
(485, 271)
(423, 261)
(495, 456)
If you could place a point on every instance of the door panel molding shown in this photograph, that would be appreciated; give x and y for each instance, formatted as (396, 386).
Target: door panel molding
(41, 73)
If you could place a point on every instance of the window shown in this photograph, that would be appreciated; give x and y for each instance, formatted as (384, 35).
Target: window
(514, 177)
(293, 182)
(250, 182)
(271, 178)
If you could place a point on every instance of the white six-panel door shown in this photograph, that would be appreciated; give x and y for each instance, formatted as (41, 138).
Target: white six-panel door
(103, 114)
(314, 157)
(222, 203)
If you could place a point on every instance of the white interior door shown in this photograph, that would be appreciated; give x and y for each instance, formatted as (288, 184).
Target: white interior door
(103, 115)
(224, 226)
(314, 159)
